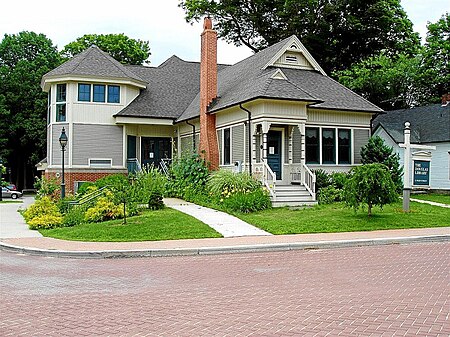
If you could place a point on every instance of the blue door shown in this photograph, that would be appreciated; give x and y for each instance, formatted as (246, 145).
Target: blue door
(274, 152)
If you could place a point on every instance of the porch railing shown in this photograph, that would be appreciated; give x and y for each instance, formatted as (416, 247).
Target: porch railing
(133, 165)
(164, 164)
(264, 173)
(309, 180)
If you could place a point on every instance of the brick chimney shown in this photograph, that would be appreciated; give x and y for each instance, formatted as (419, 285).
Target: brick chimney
(208, 92)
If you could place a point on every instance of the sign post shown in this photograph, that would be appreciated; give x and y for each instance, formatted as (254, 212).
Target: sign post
(421, 167)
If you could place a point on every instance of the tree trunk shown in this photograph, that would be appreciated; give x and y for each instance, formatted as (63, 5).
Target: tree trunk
(370, 209)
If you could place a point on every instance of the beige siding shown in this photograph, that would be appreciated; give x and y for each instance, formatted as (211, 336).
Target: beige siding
(339, 118)
(97, 141)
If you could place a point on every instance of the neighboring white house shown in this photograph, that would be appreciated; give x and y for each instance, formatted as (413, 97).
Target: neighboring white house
(430, 125)
(275, 114)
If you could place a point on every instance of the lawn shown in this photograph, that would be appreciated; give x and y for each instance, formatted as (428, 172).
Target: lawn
(165, 224)
(441, 198)
(337, 218)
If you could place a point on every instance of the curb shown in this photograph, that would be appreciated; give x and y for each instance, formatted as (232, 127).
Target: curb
(105, 254)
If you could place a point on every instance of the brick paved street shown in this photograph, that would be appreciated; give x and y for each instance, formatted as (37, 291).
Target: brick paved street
(401, 290)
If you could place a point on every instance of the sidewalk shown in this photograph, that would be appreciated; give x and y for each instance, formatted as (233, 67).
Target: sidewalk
(22, 241)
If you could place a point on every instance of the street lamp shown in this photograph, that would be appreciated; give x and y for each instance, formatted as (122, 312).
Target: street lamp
(63, 142)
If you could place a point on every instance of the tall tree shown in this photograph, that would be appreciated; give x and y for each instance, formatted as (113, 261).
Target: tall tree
(24, 58)
(338, 33)
(119, 46)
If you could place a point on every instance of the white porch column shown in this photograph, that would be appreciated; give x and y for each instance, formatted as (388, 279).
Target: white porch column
(265, 130)
(290, 132)
(301, 128)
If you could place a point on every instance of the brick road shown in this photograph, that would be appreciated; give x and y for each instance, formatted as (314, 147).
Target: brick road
(401, 290)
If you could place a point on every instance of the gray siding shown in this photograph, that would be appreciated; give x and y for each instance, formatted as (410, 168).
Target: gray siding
(56, 148)
(258, 148)
(246, 143)
(360, 138)
(238, 143)
(219, 141)
(97, 141)
(296, 146)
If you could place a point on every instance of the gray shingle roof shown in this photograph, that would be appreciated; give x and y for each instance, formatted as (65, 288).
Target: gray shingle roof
(248, 80)
(96, 63)
(429, 124)
(171, 88)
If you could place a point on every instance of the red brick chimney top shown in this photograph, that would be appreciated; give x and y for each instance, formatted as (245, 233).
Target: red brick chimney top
(207, 23)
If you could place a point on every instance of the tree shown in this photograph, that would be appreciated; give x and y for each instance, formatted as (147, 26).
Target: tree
(119, 46)
(369, 184)
(435, 74)
(389, 82)
(24, 59)
(338, 33)
(376, 151)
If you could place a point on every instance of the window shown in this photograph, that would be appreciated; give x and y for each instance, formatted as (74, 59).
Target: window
(84, 92)
(226, 147)
(60, 112)
(100, 162)
(312, 145)
(344, 150)
(113, 94)
(99, 93)
(328, 146)
(61, 103)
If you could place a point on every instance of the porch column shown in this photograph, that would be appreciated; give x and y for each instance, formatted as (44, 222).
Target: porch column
(290, 132)
(301, 128)
(265, 130)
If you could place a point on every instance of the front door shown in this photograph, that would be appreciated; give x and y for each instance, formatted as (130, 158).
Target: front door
(154, 149)
(274, 152)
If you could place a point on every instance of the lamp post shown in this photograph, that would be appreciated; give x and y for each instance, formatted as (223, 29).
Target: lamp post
(63, 142)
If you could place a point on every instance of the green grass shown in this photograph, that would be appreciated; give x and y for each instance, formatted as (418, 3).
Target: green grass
(11, 201)
(337, 218)
(441, 198)
(165, 224)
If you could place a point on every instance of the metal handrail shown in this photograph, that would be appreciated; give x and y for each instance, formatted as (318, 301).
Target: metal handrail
(88, 197)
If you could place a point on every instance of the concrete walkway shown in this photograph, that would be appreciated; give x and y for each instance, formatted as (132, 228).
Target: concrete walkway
(430, 203)
(12, 224)
(225, 224)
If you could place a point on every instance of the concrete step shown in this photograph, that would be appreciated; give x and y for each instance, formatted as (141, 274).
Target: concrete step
(290, 188)
(297, 203)
(293, 193)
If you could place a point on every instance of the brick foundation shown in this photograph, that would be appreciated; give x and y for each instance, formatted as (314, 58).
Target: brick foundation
(70, 177)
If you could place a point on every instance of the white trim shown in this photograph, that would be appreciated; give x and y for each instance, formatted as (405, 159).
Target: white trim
(278, 75)
(143, 120)
(100, 165)
(301, 48)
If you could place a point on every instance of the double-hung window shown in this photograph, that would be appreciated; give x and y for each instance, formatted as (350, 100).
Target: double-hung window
(99, 93)
(344, 146)
(113, 94)
(312, 145)
(226, 147)
(84, 92)
(61, 102)
(328, 146)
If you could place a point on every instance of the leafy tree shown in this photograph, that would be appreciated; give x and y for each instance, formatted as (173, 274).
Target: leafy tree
(119, 46)
(376, 151)
(338, 33)
(24, 58)
(435, 71)
(369, 184)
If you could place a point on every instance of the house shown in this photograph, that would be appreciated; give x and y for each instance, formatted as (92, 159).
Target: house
(430, 125)
(275, 114)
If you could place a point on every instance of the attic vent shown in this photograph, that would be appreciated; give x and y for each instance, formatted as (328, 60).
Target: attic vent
(291, 58)
(100, 162)
(293, 46)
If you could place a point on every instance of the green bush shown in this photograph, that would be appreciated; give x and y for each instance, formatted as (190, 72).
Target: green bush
(74, 216)
(43, 214)
(46, 221)
(323, 179)
(329, 194)
(225, 182)
(86, 188)
(247, 202)
(104, 209)
(148, 187)
(339, 179)
(189, 171)
(46, 187)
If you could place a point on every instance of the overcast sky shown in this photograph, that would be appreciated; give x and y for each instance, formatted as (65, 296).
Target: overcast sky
(161, 22)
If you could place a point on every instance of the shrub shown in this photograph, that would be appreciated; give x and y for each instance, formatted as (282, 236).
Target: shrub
(247, 202)
(111, 180)
(86, 188)
(189, 171)
(339, 179)
(149, 186)
(104, 209)
(46, 221)
(43, 214)
(225, 183)
(74, 216)
(329, 194)
(46, 187)
(370, 184)
(322, 179)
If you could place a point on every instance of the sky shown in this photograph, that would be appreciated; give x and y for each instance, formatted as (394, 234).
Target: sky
(161, 22)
